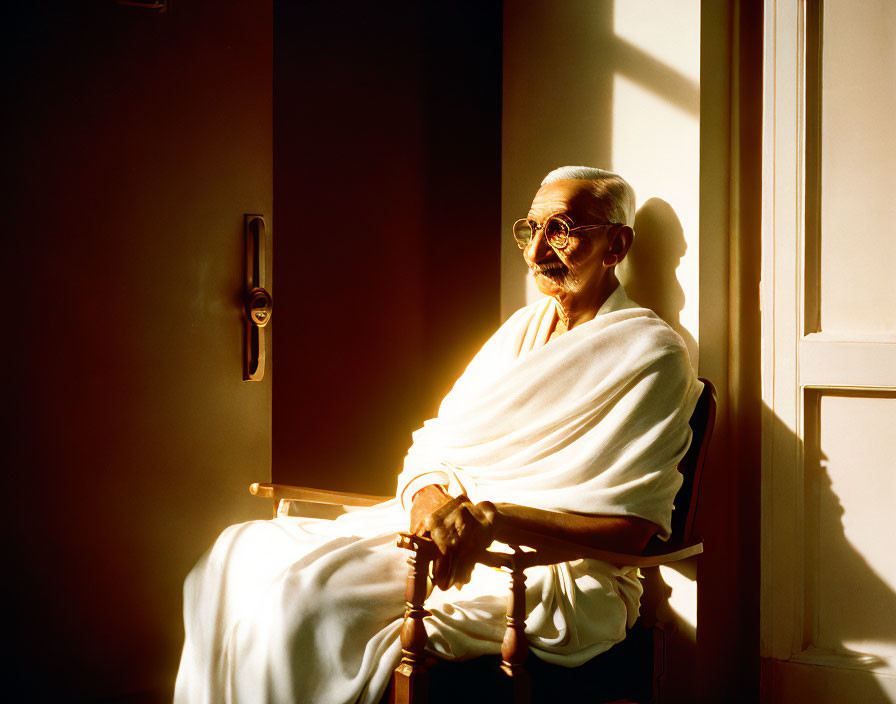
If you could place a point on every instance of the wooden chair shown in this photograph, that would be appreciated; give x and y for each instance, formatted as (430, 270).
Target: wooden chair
(640, 655)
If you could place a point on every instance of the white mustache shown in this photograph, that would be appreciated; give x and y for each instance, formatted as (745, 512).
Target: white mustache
(559, 273)
(543, 268)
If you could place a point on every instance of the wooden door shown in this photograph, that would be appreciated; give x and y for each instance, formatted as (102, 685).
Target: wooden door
(140, 141)
(829, 347)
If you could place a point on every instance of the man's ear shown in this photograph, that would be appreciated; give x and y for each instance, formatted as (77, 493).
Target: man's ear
(620, 239)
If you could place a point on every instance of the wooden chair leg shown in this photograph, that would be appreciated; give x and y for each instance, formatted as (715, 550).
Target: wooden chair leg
(655, 597)
(659, 661)
(515, 646)
(409, 681)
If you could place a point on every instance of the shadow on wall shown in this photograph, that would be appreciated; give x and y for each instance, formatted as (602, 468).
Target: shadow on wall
(864, 625)
(866, 597)
(648, 272)
(865, 604)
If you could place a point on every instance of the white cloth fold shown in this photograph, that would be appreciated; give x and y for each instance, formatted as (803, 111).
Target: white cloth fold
(594, 422)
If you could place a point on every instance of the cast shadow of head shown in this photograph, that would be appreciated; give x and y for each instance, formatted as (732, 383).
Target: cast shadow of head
(850, 612)
(859, 603)
(648, 270)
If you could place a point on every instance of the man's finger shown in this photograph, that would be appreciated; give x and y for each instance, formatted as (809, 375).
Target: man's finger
(444, 538)
(441, 571)
(417, 527)
(462, 567)
(465, 572)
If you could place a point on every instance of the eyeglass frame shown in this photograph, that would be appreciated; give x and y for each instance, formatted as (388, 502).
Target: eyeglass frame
(561, 217)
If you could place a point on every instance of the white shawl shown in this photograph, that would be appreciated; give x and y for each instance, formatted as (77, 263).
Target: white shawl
(299, 609)
(594, 422)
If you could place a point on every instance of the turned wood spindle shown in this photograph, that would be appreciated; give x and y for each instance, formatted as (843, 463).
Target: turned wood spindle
(408, 681)
(515, 647)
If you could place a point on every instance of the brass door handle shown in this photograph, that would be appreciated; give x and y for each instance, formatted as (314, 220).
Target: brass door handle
(259, 305)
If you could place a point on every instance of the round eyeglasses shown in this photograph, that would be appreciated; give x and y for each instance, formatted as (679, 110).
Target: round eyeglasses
(556, 230)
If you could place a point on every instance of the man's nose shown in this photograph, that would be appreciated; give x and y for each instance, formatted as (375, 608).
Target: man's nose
(538, 248)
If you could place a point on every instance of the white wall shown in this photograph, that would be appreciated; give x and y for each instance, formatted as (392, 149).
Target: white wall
(613, 85)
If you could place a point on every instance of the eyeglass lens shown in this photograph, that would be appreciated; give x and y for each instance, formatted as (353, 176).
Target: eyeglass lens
(556, 231)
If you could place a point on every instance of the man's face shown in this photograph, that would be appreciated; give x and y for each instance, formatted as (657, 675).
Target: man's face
(580, 264)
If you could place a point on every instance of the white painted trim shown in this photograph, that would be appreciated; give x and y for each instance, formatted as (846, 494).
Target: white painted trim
(797, 681)
(841, 363)
(826, 658)
(794, 362)
(767, 603)
(781, 582)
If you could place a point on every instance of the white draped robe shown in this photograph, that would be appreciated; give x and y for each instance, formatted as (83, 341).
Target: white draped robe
(595, 422)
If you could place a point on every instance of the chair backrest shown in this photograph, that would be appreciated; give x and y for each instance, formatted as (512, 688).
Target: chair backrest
(691, 466)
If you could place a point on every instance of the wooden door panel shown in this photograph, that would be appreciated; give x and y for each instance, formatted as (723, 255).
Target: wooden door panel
(140, 140)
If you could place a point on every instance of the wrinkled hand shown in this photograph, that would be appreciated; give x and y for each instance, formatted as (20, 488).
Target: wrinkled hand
(427, 500)
(460, 529)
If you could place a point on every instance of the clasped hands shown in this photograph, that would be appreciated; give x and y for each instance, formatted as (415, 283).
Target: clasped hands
(459, 528)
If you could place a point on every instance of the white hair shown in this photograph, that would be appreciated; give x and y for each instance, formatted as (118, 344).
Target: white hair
(608, 187)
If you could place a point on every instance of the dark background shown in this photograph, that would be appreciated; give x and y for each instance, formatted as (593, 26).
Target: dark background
(387, 183)
(135, 145)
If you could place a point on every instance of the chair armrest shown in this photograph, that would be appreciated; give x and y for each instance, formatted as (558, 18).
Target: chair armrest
(314, 496)
(551, 551)
(515, 646)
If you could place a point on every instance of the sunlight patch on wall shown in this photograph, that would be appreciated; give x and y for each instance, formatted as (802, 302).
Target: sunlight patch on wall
(683, 599)
(656, 147)
(851, 489)
(668, 31)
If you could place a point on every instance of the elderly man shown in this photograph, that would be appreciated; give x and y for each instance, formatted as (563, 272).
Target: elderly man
(569, 422)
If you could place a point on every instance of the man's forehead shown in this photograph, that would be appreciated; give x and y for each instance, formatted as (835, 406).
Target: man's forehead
(565, 196)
